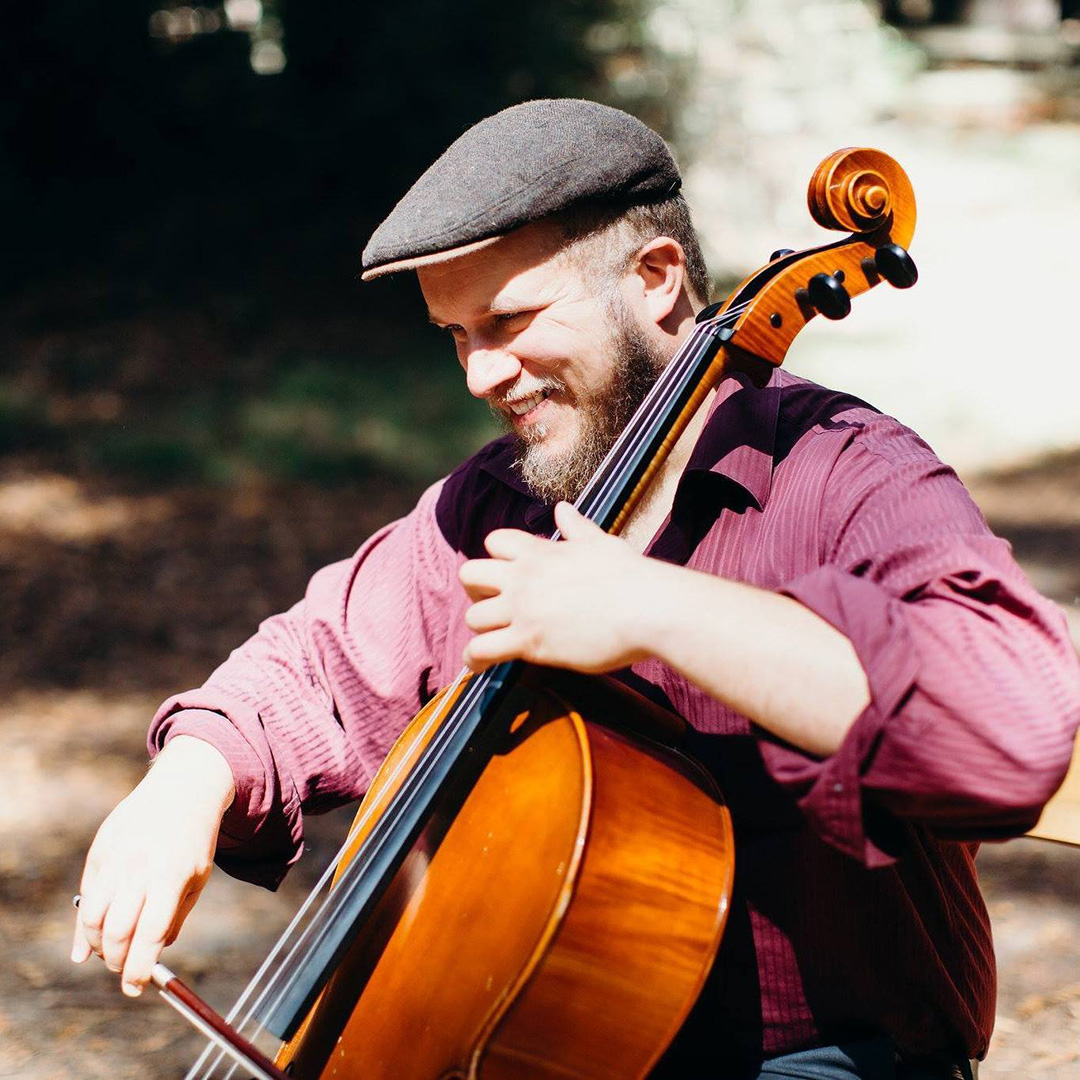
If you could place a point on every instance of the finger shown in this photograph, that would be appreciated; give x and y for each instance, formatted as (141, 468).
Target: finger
(119, 926)
(492, 614)
(482, 578)
(509, 543)
(160, 921)
(492, 648)
(93, 907)
(80, 947)
(573, 524)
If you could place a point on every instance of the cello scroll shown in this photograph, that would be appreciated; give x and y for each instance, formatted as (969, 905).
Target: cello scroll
(859, 190)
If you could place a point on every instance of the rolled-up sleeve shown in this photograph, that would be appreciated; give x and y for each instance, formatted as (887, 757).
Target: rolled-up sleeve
(974, 683)
(306, 710)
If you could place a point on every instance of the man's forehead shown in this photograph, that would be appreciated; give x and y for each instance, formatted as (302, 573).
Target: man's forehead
(524, 269)
(524, 292)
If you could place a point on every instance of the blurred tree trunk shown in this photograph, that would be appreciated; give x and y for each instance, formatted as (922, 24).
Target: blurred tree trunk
(769, 88)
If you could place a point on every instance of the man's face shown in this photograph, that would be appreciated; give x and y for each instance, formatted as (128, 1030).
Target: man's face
(560, 358)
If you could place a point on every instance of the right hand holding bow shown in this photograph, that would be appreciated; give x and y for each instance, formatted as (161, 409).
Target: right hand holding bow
(150, 859)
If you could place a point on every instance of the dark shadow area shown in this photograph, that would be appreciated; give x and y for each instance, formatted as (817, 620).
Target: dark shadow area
(1036, 870)
(126, 591)
(1036, 507)
(189, 189)
(157, 143)
(1056, 546)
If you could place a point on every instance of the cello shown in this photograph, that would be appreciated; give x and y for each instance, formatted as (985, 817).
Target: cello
(537, 881)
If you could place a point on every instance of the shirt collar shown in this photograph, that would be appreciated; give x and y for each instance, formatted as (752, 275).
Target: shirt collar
(500, 461)
(739, 437)
(737, 442)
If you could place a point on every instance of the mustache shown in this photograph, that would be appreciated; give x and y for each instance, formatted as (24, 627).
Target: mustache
(524, 389)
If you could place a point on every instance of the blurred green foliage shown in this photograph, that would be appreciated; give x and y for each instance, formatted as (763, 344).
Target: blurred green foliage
(179, 295)
(319, 419)
(23, 421)
(328, 420)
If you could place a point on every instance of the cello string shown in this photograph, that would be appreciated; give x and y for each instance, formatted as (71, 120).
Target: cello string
(357, 825)
(644, 420)
(650, 419)
(323, 920)
(655, 403)
(316, 933)
(645, 426)
(293, 927)
(592, 500)
(264, 966)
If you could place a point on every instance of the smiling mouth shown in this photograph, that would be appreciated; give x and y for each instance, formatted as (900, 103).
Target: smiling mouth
(525, 405)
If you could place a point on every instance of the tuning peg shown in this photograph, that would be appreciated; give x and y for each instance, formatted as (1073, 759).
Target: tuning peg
(896, 266)
(828, 296)
(779, 253)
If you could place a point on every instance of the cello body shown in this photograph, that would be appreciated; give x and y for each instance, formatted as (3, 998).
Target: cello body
(558, 920)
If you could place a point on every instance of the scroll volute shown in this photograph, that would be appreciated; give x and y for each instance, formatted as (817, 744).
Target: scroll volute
(860, 191)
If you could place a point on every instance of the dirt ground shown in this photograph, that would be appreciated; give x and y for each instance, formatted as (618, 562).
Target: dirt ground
(114, 598)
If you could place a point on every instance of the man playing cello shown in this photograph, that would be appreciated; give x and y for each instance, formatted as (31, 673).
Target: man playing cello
(867, 673)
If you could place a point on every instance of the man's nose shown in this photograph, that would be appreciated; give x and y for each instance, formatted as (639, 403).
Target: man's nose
(486, 369)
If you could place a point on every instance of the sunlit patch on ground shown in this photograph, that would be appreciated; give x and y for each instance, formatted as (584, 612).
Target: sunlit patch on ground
(60, 508)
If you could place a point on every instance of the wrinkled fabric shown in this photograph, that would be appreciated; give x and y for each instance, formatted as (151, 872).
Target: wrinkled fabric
(856, 907)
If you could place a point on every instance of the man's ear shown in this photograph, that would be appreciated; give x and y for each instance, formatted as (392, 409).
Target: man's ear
(661, 269)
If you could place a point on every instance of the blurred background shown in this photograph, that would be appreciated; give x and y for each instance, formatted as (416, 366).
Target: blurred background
(200, 404)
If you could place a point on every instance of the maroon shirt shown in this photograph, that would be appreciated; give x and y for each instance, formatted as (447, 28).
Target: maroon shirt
(856, 909)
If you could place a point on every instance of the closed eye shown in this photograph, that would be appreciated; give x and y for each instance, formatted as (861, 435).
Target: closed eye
(514, 319)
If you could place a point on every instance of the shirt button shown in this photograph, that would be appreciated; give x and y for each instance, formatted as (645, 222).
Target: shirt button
(838, 788)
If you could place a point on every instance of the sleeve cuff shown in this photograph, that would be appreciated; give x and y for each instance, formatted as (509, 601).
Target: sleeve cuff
(829, 790)
(257, 822)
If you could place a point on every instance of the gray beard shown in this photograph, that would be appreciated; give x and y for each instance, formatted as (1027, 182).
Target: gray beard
(552, 477)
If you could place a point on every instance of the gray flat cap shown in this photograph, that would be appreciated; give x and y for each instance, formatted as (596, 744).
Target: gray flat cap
(515, 167)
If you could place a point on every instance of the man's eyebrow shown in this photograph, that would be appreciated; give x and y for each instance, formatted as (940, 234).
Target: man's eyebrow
(504, 307)
(436, 320)
(496, 307)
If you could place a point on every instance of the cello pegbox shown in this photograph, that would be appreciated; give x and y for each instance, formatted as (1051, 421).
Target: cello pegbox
(857, 190)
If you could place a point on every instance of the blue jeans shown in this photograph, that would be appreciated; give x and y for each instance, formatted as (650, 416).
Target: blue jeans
(868, 1059)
